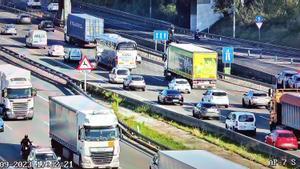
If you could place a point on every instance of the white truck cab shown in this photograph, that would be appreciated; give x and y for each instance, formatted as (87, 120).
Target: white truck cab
(16, 99)
(36, 38)
(84, 131)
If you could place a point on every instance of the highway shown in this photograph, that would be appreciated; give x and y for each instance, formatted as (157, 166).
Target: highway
(151, 72)
(38, 129)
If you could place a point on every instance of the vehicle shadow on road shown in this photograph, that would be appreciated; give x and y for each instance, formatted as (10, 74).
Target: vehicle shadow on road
(154, 80)
(8, 20)
(19, 39)
(54, 63)
(10, 152)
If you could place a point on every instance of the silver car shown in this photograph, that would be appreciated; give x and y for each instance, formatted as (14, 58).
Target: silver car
(9, 29)
(24, 19)
(206, 110)
(255, 98)
(1, 125)
(134, 82)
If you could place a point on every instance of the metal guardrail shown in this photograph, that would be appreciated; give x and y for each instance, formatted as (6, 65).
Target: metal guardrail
(73, 84)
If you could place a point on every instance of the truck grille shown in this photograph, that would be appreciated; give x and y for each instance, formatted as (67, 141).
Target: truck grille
(102, 157)
(20, 109)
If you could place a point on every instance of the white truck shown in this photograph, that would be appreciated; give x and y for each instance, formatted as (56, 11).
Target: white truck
(16, 98)
(191, 159)
(84, 131)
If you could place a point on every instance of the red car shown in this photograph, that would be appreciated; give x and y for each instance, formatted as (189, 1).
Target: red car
(283, 139)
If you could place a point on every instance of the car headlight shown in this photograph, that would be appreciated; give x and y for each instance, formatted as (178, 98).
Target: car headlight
(8, 111)
(86, 160)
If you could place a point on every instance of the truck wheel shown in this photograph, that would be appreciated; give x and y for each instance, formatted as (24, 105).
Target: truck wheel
(249, 105)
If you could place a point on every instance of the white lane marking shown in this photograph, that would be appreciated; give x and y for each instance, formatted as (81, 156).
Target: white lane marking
(46, 100)
(7, 126)
(264, 118)
(46, 123)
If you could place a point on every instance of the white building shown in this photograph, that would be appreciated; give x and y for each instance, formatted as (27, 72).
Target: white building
(203, 15)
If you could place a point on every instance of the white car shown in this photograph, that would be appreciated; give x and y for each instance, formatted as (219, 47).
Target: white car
(241, 122)
(56, 50)
(43, 158)
(255, 98)
(294, 81)
(218, 97)
(9, 29)
(52, 7)
(1, 125)
(117, 75)
(134, 82)
(181, 85)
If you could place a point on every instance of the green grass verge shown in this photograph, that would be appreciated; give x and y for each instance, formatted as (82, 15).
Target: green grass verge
(169, 141)
(151, 133)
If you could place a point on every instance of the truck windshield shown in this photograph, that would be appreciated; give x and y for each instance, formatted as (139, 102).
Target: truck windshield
(92, 134)
(18, 93)
(126, 46)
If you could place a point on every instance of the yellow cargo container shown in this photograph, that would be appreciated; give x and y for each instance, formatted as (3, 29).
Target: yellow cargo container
(196, 64)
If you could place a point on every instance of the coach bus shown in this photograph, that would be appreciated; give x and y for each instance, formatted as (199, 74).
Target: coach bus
(116, 51)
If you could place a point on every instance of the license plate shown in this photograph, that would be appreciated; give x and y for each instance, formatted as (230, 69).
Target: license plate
(175, 100)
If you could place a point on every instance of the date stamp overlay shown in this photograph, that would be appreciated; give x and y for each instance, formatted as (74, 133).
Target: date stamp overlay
(35, 164)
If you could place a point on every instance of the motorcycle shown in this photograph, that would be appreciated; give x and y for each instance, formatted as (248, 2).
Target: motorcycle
(25, 150)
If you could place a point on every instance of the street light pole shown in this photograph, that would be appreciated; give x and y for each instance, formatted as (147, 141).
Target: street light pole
(150, 9)
(233, 19)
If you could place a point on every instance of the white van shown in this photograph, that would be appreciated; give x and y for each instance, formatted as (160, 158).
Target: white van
(36, 38)
(241, 122)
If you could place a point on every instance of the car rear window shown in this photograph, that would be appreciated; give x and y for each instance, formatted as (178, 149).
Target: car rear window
(260, 94)
(181, 82)
(137, 78)
(173, 92)
(289, 74)
(122, 72)
(286, 135)
(246, 118)
(209, 105)
(219, 94)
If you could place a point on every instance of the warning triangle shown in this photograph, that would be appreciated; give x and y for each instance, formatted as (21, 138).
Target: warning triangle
(84, 64)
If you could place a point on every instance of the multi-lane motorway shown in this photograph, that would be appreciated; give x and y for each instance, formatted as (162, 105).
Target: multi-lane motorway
(38, 129)
(152, 73)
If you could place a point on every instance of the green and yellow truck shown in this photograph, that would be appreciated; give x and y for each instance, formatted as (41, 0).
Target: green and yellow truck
(196, 64)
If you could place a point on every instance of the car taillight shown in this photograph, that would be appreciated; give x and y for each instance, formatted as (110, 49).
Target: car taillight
(116, 60)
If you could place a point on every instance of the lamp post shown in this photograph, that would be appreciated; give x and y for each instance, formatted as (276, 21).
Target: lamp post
(233, 35)
(150, 9)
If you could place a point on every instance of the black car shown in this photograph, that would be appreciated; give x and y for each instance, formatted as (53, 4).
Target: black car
(170, 96)
(46, 25)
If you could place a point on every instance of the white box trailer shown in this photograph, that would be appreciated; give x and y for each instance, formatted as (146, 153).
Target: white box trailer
(16, 94)
(191, 159)
(84, 131)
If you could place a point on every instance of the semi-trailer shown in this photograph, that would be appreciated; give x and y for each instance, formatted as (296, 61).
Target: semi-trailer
(84, 132)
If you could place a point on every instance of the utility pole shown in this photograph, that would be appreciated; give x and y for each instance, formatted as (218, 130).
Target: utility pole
(150, 9)
(233, 35)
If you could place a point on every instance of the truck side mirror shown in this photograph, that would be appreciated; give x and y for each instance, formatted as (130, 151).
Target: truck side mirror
(33, 92)
(4, 93)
